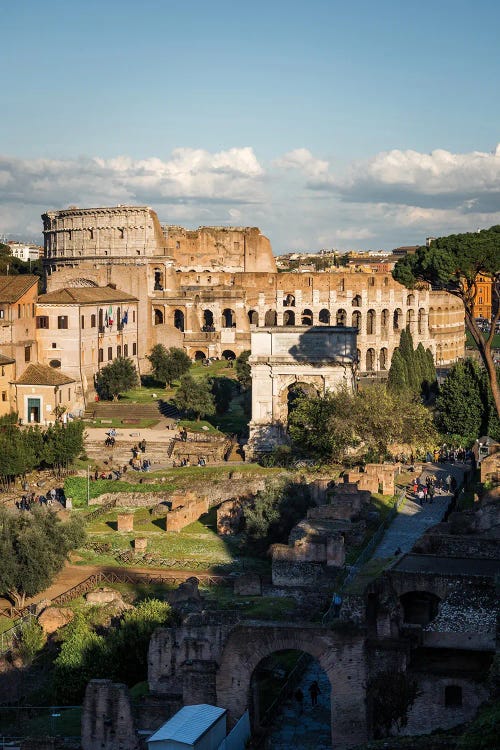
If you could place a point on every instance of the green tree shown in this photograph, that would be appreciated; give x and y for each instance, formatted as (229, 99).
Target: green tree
(33, 549)
(243, 370)
(454, 264)
(194, 396)
(396, 380)
(31, 640)
(83, 656)
(412, 373)
(119, 376)
(168, 364)
(222, 390)
(391, 695)
(460, 409)
(321, 427)
(62, 443)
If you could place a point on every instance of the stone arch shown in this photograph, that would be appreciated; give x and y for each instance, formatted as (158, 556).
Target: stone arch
(289, 318)
(306, 319)
(422, 321)
(341, 657)
(270, 318)
(324, 316)
(370, 360)
(228, 354)
(159, 280)
(228, 318)
(356, 301)
(296, 390)
(383, 359)
(289, 300)
(410, 300)
(253, 317)
(356, 319)
(371, 320)
(199, 355)
(208, 320)
(158, 316)
(341, 318)
(384, 320)
(397, 319)
(410, 318)
(179, 320)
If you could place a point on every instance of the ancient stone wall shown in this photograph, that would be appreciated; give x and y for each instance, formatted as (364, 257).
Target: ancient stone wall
(107, 720)
(183, 515)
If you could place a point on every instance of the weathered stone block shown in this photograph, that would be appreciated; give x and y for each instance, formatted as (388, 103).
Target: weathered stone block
(125, 522)
(53, 618)
(140, 544)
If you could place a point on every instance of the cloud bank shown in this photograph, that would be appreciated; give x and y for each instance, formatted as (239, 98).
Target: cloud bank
(298, 200)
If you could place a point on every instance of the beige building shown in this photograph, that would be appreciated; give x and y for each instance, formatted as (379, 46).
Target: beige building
(7, 375)
(18, 295)
(81, 329)
(41, 393)
(208, 289)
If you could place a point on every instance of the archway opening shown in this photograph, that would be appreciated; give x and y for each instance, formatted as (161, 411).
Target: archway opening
(228, 354)
(158, 316)
(397, 319)
(208, 321)
(288, 318)
(253, 317)
(356, 320)
(370, 360)
(270, 318)
(158, 285)
(289, 300)
(324, 316)
(383, 359)
(356, 301)
(341, 318)
(179, 320)
(290, 693)
(419, 607)
(370, 322)
(307, 318)
(228, 318)
(199, 355)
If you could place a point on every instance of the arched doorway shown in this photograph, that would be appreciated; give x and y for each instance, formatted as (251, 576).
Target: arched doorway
(199, 355)
(253, 317)
(397, 319)
(324, 316)
(370, 360)
(158, 316)
(208, 321)
(179, 320)
(228, 318)
(270, 318)
(307, 318)
(341, 318)
(276, 686)
(228, 354)
(288, 318)
(383, 359)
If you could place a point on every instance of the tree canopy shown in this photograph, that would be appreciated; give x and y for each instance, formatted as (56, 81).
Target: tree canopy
(195, 397)
(412, 370)
(454, 264)
(33, 549)
(243, 370)
(168, 364)
(117, 377)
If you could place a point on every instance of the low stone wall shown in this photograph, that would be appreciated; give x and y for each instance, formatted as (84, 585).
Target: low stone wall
(290, 573)
(449, 545)
(183, 515)
(131, 499)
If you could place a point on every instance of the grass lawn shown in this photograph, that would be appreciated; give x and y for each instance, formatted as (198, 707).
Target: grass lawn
(192, 425)
(234, 421)
(39, 722)
(5, 624)
(76, 488)
(113, 422)
(472, 344)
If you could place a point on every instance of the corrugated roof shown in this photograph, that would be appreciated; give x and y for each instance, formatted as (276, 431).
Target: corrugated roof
(85, 295)
(43, 375)
(13, 287)
(189, 724)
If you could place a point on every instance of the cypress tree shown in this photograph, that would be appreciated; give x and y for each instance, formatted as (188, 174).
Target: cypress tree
(396, 380)
(460, 404)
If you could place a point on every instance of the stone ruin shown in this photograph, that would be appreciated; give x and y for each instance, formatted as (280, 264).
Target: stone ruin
(107, 720)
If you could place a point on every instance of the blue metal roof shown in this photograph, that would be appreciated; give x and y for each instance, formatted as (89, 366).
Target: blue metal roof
(189, 724)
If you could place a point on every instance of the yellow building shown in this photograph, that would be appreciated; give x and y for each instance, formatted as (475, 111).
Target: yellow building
(483, 301)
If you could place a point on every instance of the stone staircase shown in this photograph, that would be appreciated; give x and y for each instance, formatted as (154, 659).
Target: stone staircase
(122, 410)
(121, 453)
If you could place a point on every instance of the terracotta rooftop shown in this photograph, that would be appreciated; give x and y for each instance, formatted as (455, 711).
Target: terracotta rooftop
(42, 375)
(85, 295)
(13, 287)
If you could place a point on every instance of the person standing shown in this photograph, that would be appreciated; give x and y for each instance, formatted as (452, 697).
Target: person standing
(314, 691)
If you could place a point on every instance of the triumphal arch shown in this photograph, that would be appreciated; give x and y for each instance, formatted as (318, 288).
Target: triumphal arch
(287, 361)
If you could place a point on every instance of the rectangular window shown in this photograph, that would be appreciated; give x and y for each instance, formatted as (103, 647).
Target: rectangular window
(100, 355)
(19, 311)
(62, 321)
(4, 395)
(92, 321)
(27, 353)
(42, 321)
(118, 351)
(110, 352)
(2, 313)
(125, 350)
(134, 349)
(83, 322)
(133, 316)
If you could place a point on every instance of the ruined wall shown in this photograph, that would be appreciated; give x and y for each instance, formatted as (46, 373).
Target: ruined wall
(107, 717)
(183, 515)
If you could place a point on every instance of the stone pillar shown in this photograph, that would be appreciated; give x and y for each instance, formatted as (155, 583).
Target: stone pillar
(198, 682)
(125, 522)
(107, 721)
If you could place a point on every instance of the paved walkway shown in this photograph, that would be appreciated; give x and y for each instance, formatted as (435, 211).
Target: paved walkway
(309, 730)
(413, 519)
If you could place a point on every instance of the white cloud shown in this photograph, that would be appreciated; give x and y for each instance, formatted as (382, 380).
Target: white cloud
(303, 160)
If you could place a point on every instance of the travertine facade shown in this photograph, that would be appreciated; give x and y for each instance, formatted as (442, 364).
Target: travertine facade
(208, 289)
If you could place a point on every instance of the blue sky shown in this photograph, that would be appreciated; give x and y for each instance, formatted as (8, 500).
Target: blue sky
(327, 124)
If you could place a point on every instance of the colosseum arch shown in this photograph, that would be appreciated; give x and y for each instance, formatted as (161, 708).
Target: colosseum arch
(158, 316)
(384, 321)
(253, 317)
(289, 300)
(371, 319)
(370, 360)
(341, 318)
(356, 301)
(289, 318)
(179, 320)
(356, 320)
(410, 300)
(324, 316)
(306, 319)
(383, 359)
(410, 318)
(208, 320)
(397, 319)
(422, 321)
(228, 318)
(270, 318)
(340, 656)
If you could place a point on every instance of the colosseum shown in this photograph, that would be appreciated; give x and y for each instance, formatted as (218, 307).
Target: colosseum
(207, 289)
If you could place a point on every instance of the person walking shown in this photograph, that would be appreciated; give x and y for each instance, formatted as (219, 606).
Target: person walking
(314, 691)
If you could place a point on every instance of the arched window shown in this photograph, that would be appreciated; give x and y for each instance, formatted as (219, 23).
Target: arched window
(410, 317)
(383, 359)
(253, 317)
(370, 322)
(397, 319)
(270, 318)
(179, 320)
(158, 283)
(289, 300)
(289, 318)
(92, 321)
(158, 316)
(208, 321)
(421, 321)
(307, 318)
(356, 320)
(384, 320)
(356, 301)
(324, 316)
(341, 318)
(228, 318)
(410, 300)
(370, 360)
